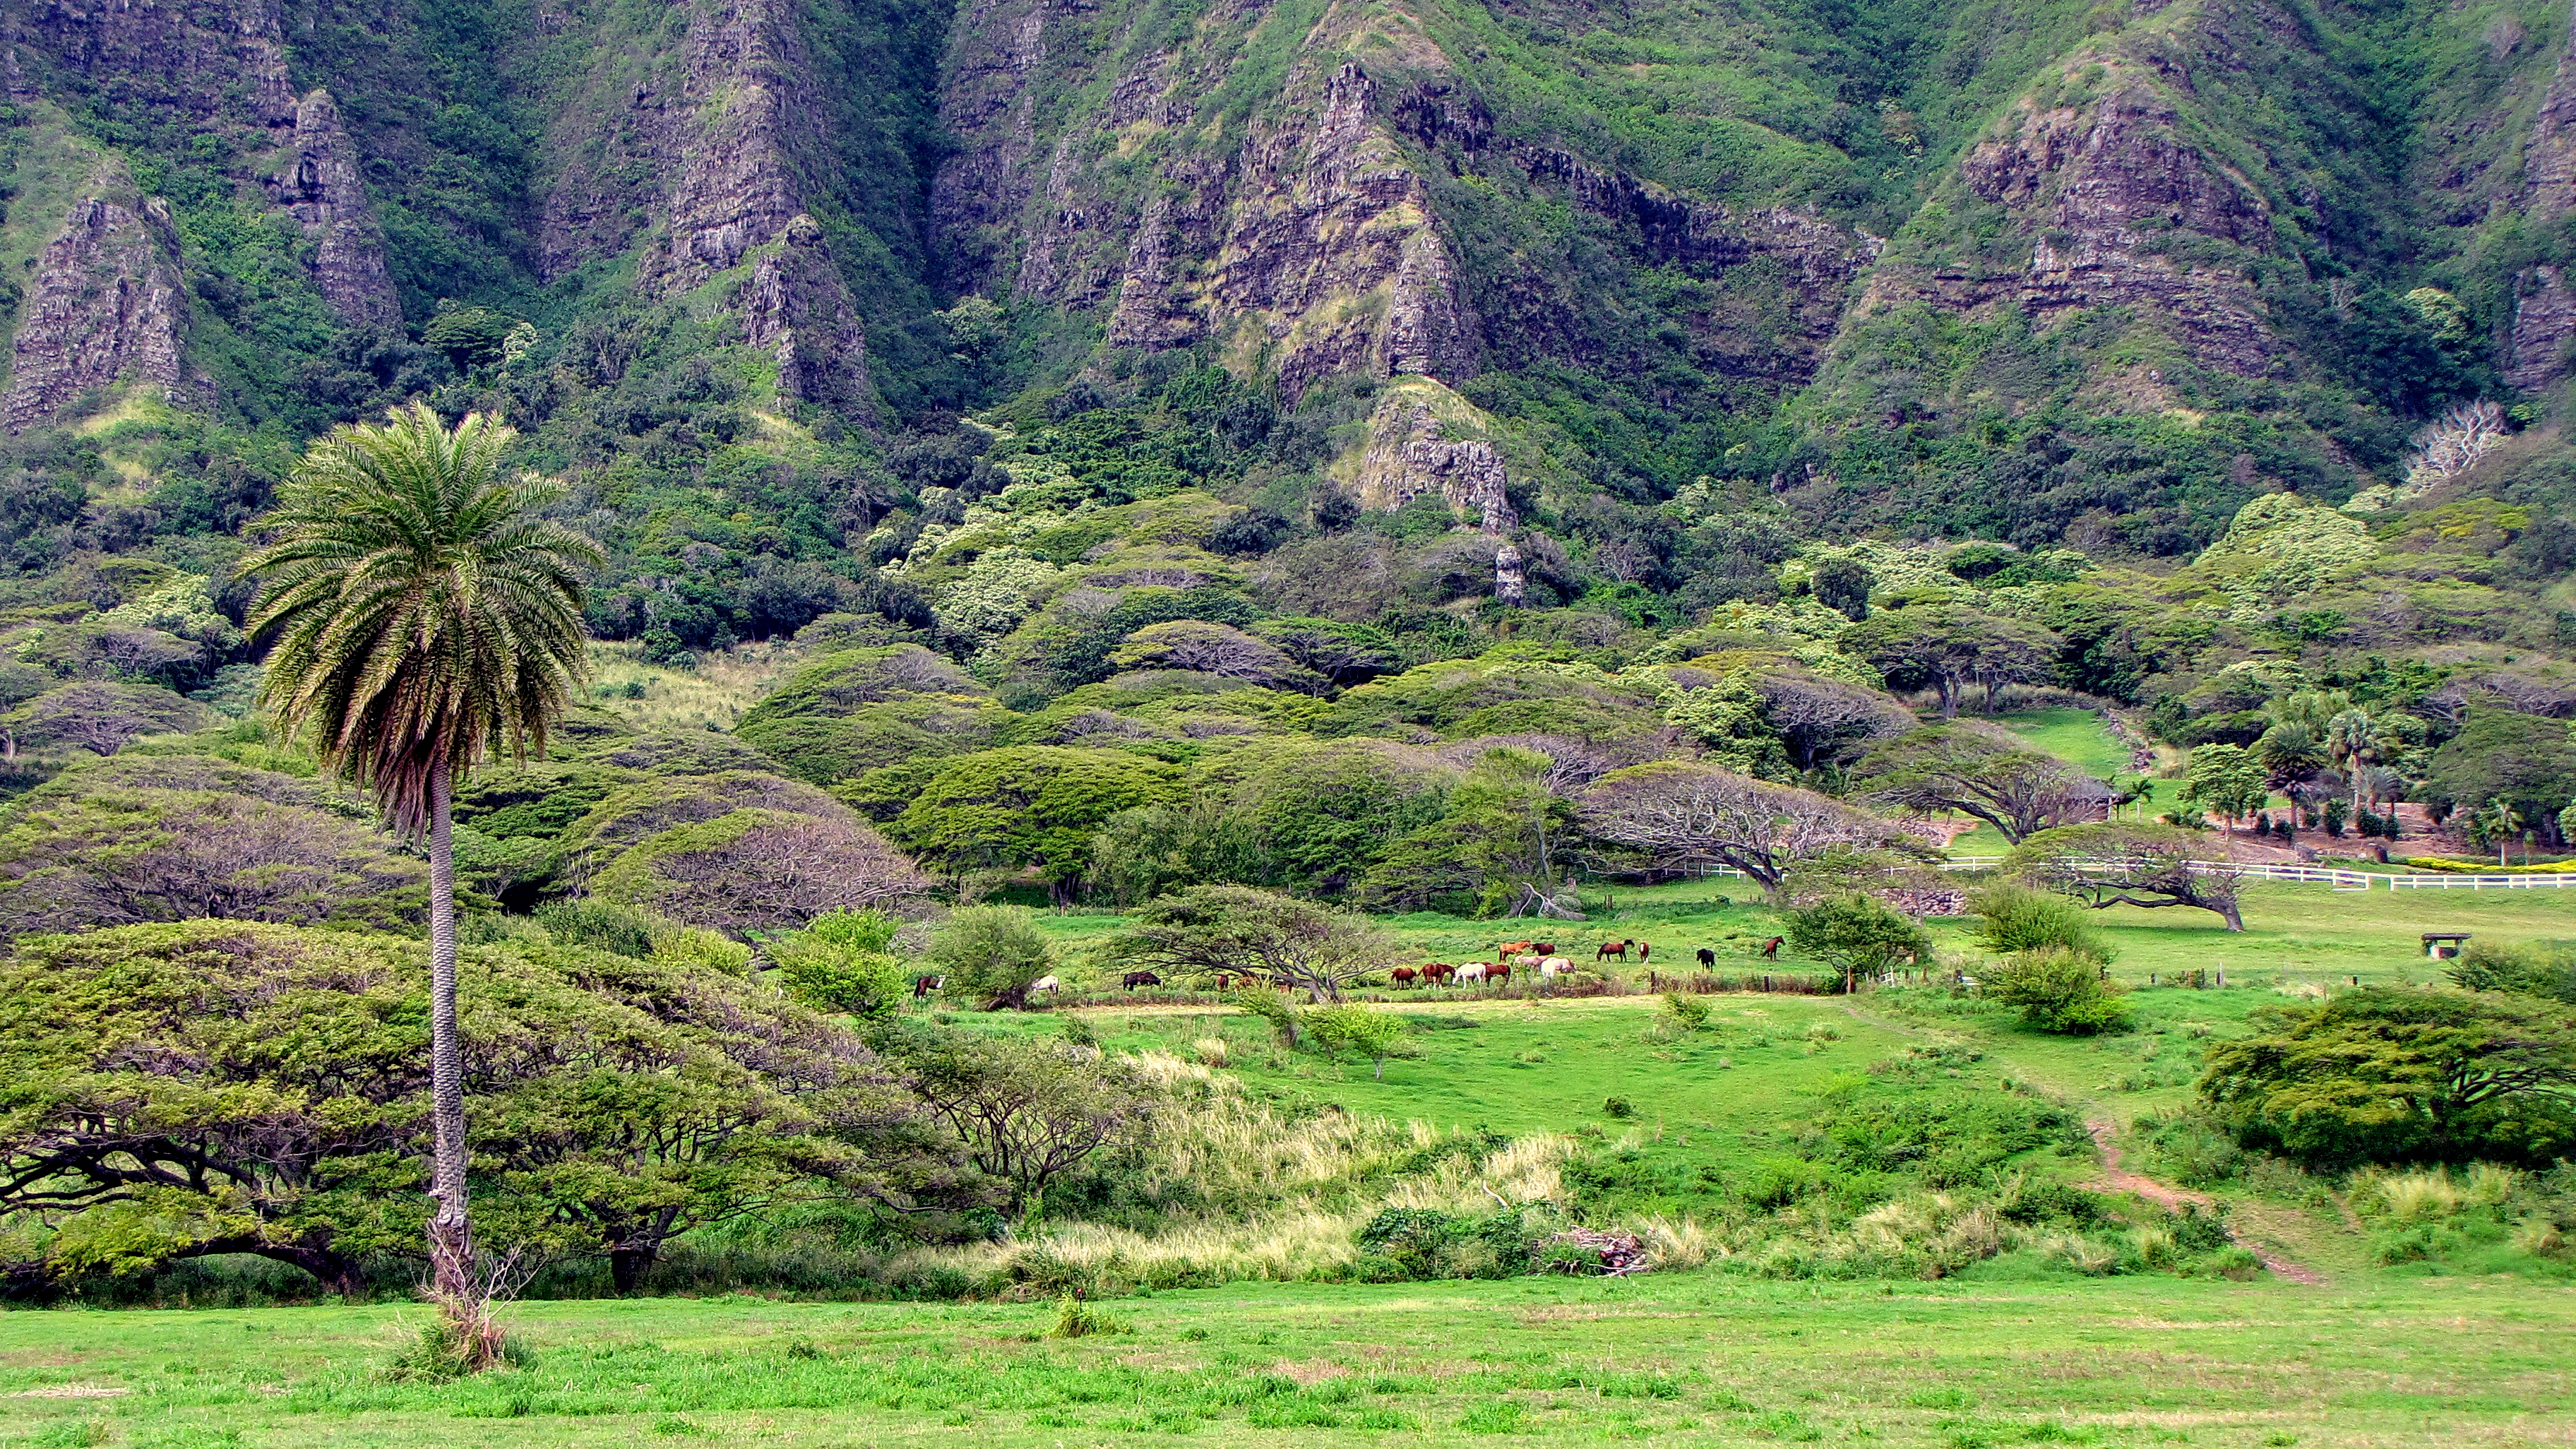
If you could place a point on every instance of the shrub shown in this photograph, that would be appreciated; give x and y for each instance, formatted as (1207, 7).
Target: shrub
(992, 954)
(1858, 934)
(1077, 1319)
(1687, 1012)
(1376, 1035)
(2014, 918)
(601, 925)
(839, 963)
(2058, 990)
(2533, 968)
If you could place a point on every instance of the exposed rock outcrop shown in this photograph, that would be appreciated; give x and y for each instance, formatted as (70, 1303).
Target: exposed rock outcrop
(1421, 441)
(1332, 250)
(747, 107)
(106, 307)
(989, 102)
(1302, 233)
(318, 185)
(2549, 152)
(1511, 577)
(2544, 327)
(797, 308)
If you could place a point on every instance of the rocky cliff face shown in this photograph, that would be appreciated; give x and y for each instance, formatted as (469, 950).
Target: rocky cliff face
(1332, 260)
(704, 162)
(2116, 207)
(107, 307)
(318, 185)
(2544, 318)
(745, 111)
(797, 308)
(202, 60)
(1303, 239)
(1308, 234)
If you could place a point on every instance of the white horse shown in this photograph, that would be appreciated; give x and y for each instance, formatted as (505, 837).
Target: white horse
(1048, 984)
(1474, 970)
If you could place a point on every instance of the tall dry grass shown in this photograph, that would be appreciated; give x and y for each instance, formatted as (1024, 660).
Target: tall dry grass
(1254, 1193)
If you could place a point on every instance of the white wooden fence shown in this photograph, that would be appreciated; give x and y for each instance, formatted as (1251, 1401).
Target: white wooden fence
(2348, 881)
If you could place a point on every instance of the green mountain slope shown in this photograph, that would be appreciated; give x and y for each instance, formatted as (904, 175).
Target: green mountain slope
(1151, 374)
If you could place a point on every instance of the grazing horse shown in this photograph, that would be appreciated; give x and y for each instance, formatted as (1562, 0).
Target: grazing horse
(1612, 948)
(1474, 971)
(1440, 973)
(1499, 974)
(1707, 959)
(1509, 949)
(1645, 953)
(924, 985)
(1543, 948)
(1048, 984)
(1134, 979)
(1771, 948)
(1402, 975)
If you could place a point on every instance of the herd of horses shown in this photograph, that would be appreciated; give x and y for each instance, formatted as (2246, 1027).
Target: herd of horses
(1536, 957)
(1540, 957)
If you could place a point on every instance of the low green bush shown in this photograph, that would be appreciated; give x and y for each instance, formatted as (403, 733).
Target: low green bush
(2058, 989)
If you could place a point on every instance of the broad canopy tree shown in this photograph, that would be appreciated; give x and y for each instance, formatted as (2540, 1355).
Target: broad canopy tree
(1981, 770)
(1241, 931)
(1034, 806)
(114, 855)
(2386, 1074)
(1951, 646)
(212, 1087)
(2132, 865)
(1678, 816)
(761, 870)
(2228, 779)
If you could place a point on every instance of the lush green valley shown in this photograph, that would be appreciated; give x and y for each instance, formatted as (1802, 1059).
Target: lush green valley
(1303, 719)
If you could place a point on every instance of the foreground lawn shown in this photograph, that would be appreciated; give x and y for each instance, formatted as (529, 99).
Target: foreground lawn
(1698, 1359)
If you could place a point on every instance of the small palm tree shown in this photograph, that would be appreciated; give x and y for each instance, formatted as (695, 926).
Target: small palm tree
(2498, 820)
(2353, 740)
(424, 615)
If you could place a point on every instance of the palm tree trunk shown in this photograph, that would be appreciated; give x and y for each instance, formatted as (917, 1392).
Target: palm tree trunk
(451, 1244)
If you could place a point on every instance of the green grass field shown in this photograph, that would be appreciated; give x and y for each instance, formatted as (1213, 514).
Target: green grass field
(1683, 1360)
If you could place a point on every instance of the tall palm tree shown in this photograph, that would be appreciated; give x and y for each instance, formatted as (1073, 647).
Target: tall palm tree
(424, 615)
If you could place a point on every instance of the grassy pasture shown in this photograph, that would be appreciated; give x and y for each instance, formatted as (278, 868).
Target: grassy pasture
(2006, 1353)
(1680, 1360)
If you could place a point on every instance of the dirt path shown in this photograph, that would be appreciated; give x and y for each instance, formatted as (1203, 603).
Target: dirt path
(2120, 1179)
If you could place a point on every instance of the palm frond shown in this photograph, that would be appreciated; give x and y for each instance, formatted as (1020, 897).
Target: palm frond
(424, 615)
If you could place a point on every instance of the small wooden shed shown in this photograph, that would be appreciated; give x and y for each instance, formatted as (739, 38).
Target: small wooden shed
(2444, 945)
